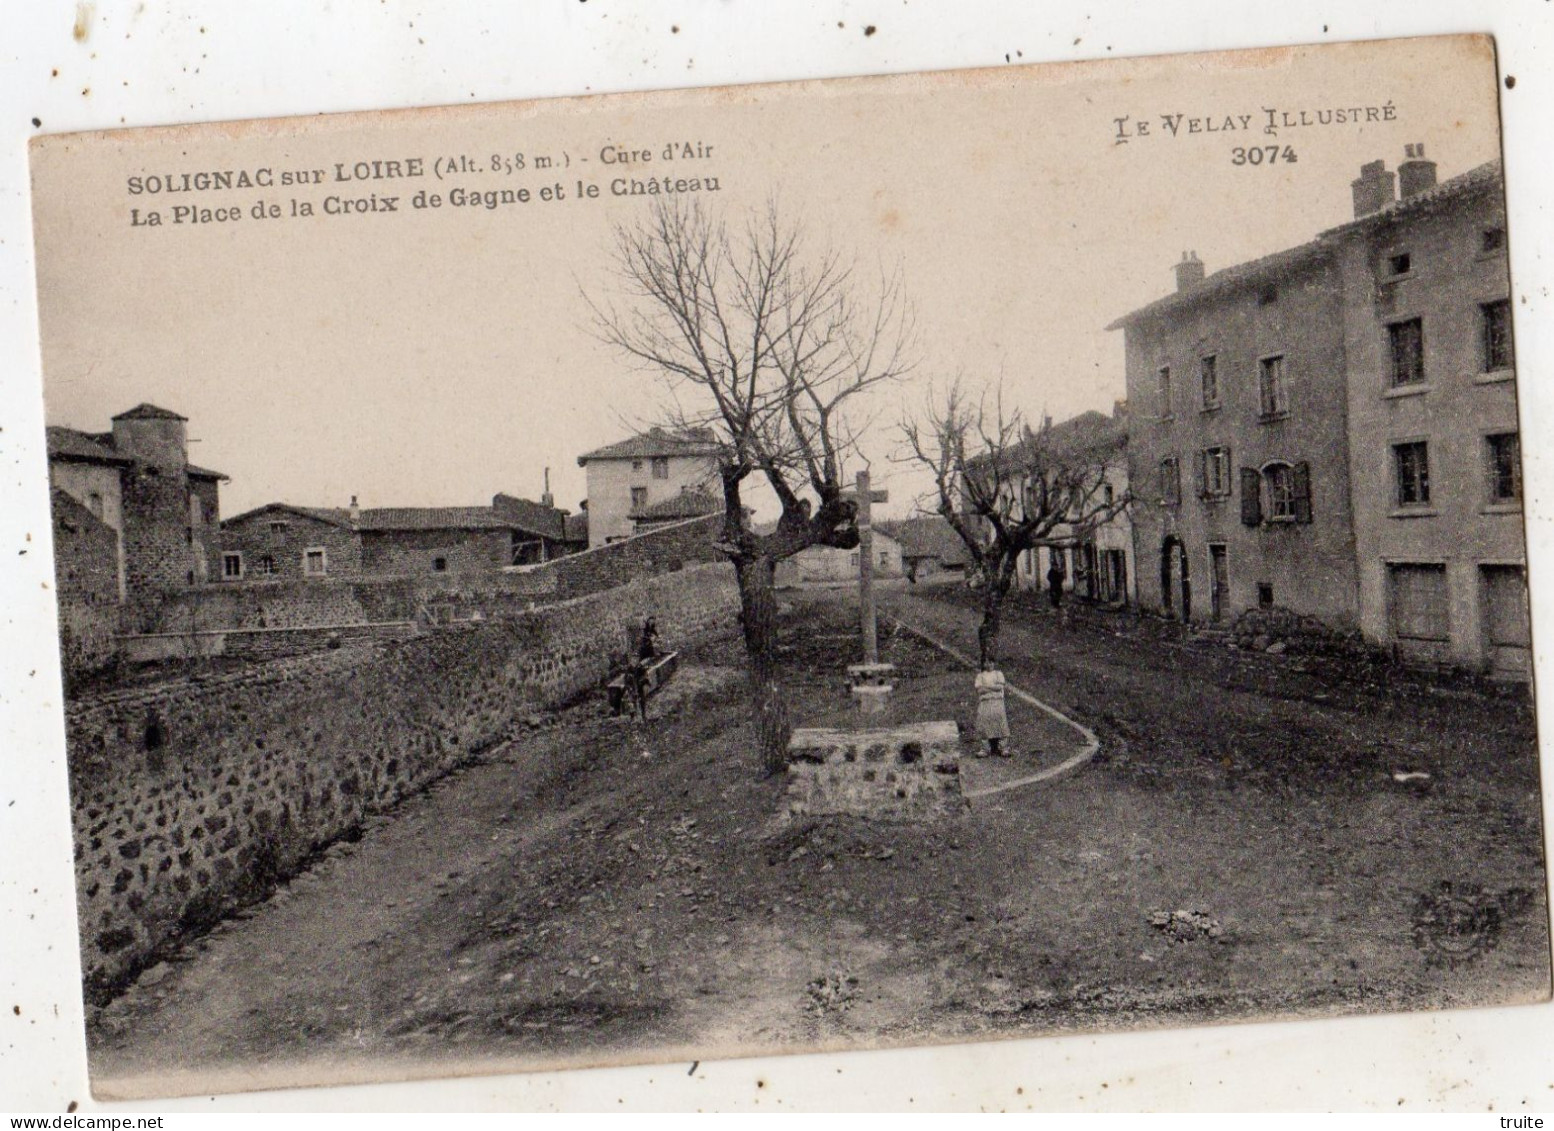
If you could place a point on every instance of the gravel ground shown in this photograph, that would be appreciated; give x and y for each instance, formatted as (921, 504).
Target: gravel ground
(600, 891)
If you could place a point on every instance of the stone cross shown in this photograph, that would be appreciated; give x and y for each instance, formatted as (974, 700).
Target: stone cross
(871, 648)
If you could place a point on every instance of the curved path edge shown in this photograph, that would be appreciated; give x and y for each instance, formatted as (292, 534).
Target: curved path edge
(1063, 768)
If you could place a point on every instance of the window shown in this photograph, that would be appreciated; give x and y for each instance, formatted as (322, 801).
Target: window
(660, 467)
(1165, 391)
(1280, 478)
(1419, 606)
(1412, 461)
(1400, 264)
(884, 557)
(232, 566)
(638, 498)
(1496, 323)
(314, 563)
(1505, 467)
(636, 465)
(1108, 494)
(439, 565)
(265, 566)
(1208, 374)
(853, 560)
(1491, 240)
(1214, 473)
(1406, 340)
(1273, 396)
(1285, 490)
(1170, 482)
(1264, 595)
(278, 527)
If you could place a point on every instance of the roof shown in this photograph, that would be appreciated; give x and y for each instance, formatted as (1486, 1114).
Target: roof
(383, 519)
(576, 527)
(657, 442)
(1479, 178)
(82, 447)
(1086, 436)
(74, 446)
(537, 518)
(1476, 179)
(334, 516)
(931, 536)
(687, 504)
(144, 411)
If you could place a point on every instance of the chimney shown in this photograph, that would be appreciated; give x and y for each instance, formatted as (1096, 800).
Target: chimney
(1415, 174)
(356, 511)
(547, 499)
(1373, 189)
(1189, 272)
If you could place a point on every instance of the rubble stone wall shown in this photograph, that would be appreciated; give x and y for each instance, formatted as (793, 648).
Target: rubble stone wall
(193, 797)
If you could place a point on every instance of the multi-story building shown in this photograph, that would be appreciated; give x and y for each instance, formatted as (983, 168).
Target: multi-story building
(633, 476)
(137, 480)
(1332, 428)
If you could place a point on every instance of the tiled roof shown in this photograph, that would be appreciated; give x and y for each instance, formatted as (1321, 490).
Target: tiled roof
(577, 527)
(149, 412)
(334, 516)
(432, 518)
(687, 504)
(206, 473)
(537, 518)
(657, 442)
(1484, 176)
(70, 444)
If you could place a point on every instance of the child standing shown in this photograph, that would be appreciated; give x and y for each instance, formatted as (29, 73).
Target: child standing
(992, 721)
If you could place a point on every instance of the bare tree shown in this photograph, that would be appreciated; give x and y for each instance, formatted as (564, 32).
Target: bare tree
(1007, 488)
(772, 350)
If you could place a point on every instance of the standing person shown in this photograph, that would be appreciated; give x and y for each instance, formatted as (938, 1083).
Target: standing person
(649, 646)
(1055, 575)
(992, 721)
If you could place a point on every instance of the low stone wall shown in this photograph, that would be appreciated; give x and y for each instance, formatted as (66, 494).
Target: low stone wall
(907, 772)
(193, 797)
(1279, 630)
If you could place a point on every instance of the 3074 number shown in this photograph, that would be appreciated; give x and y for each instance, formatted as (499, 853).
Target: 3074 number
(1262, 155)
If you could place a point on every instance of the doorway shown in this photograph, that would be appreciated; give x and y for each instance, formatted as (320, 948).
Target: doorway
(1507, 629)
(1219, 579)
(1175, 584)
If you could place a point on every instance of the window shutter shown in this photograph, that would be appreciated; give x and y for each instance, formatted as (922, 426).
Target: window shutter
(1251, 497)
(1302, 492)
(1203, 473)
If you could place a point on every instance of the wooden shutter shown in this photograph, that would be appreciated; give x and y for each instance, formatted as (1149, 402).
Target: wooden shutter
(1203, 473)
(1302, 492)
(1251, 496)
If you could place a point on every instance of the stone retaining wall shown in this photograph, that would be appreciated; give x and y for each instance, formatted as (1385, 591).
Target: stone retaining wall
(195, 796)
(908, 772)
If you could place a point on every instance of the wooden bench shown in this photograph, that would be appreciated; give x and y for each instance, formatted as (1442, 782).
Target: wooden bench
(657, 673)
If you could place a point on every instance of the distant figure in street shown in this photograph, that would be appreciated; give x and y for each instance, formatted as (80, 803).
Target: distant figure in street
(992, 721)
(1055, 575)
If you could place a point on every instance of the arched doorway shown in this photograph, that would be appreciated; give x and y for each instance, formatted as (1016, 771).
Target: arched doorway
(1175, 584)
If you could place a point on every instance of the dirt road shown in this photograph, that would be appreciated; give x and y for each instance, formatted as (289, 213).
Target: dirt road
(597, 891)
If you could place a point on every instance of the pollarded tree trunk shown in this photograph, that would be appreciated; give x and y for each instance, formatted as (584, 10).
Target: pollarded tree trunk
(758, 616)
(992, 616)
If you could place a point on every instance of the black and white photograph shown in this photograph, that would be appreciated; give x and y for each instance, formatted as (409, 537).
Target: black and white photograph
(918, 560)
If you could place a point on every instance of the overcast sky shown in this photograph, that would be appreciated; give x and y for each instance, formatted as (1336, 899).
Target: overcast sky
(436, 357)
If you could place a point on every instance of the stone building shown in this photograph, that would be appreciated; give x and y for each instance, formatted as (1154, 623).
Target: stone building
(1332, 429)
(632, 476)
(689, 503)
(137, 479)
(827, 565)
(930, 547)
(280, 541)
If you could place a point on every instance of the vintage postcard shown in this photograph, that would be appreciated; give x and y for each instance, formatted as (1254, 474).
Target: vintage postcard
(770, 569)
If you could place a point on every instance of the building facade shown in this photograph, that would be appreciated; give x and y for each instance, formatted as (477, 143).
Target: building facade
(1332, 429)
(1434, 445)
(280, 542)
(828, 565)
(633, 476)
